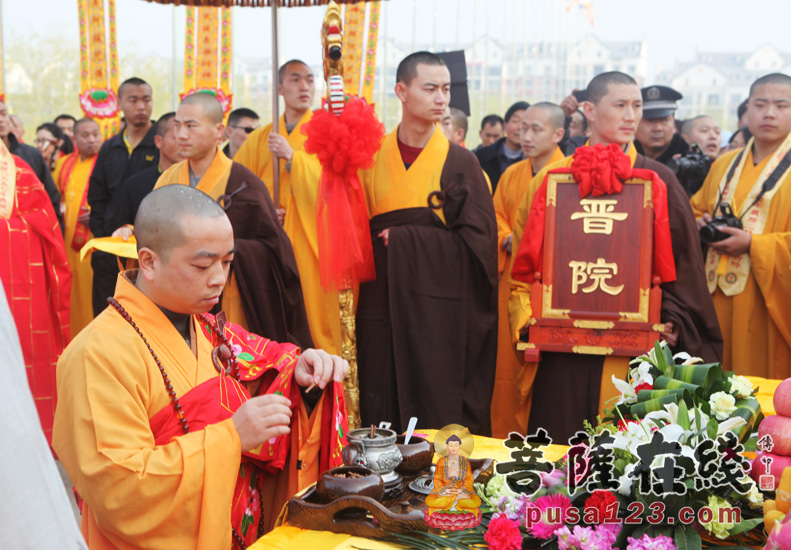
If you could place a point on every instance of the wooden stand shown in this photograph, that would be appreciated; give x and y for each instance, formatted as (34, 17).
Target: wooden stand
(366, 517)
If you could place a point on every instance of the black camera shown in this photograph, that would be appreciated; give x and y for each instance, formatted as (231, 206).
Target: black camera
(691, 169)
(710, 233)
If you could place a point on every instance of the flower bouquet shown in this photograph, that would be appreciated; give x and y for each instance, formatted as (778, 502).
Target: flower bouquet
(664, 470)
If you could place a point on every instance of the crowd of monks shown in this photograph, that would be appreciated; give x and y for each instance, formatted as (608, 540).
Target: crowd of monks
(199, 385)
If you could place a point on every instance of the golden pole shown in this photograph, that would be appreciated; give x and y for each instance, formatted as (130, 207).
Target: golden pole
(332, 48)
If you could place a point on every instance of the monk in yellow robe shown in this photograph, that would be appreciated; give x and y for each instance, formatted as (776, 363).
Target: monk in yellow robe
(542, 130)
(154, 425)
(300, 173)
(264, 293)
(453, 482)
(582, 383)
(747, 268)
(426, 327)
(72, 177)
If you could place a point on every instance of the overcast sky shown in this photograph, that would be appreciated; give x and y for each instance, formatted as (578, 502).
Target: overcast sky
(674, 29)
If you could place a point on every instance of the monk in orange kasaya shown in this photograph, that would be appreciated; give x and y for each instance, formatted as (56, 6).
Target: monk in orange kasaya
(154, 424)
(72, 177)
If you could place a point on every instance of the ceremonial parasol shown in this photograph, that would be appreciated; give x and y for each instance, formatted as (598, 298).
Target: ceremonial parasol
(274, 4)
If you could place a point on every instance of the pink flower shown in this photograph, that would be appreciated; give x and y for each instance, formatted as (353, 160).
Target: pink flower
(555, 477)
(647, 543)
(554, 509)
(503, 534)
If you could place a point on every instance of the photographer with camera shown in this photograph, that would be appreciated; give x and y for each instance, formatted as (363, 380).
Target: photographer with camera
(744, 216)
(703, 136)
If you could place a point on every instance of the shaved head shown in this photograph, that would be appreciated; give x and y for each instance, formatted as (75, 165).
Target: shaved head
(209, 103)
(557, 118)
(83, 121)
(600, 85)
(689, 125)
(159, 221)
(774, 78)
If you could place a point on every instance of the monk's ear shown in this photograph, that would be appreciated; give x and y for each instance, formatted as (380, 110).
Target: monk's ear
(558, 137)
(147, 260)
(220, 131)
(589, 110)
(400, 91)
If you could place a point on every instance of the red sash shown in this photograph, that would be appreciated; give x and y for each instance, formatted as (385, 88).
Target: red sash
(218, 398)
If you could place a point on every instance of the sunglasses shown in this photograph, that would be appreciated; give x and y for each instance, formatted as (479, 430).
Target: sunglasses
(247, 129)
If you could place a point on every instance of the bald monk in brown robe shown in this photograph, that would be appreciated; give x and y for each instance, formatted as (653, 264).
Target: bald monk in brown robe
(571, 387)
(427, 326)
(264, 294)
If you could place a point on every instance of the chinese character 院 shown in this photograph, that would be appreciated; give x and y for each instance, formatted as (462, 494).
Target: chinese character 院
(599, 273)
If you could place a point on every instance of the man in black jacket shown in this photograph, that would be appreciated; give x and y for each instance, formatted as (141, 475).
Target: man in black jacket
(121, 156)
(33, 157)
(507, 150)
(656, 136)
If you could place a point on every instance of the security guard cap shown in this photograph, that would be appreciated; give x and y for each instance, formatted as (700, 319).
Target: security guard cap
(659, 101)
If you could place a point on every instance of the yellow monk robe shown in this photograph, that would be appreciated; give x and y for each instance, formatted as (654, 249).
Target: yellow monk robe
(213, 183)
(138, 494)
(512, 382)
(81, 272)
(254, 154)
(519, 309)
(754, 320)
(390, 186)
(298, 193)
(300, 226)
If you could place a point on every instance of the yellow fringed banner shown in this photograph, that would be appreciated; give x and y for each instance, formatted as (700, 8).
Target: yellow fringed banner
(207, 54)
(99, 65)
(353, 30)
(370, 52)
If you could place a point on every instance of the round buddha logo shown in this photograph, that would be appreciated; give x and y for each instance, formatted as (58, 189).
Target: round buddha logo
(453, 504)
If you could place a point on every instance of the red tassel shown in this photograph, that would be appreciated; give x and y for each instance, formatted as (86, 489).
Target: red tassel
(344, 145)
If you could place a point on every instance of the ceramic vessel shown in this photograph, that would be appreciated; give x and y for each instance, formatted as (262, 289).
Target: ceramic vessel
(417, 455)
(330, 487)
(380, 454)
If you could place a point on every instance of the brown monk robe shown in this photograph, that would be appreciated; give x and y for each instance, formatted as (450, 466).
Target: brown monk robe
(427, 326)
(263, 293)
(569, 387)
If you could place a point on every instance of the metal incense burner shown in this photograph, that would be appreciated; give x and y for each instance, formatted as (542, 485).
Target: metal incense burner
(375, 448)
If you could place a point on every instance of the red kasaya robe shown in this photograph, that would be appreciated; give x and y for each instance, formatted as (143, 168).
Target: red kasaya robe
(35, 274)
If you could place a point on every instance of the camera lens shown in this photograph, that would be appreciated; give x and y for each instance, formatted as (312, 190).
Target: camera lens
(708, 233)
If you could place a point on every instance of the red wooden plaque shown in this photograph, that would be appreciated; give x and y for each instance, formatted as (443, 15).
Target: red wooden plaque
(596, 294)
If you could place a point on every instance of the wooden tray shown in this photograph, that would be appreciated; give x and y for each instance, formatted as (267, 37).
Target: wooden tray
(366, 517)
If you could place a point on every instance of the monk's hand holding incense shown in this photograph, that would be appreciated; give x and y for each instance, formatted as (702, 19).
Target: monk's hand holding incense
(261, 419)
(317, 367)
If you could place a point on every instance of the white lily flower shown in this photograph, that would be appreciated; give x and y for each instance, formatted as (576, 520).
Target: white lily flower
(669, 415)
(641, 374)
(687, 358)
(635, 434)
(628, 394)
(730, 424)
(625, 482)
